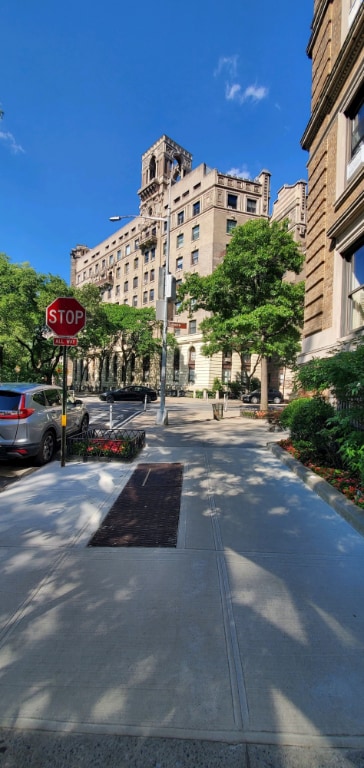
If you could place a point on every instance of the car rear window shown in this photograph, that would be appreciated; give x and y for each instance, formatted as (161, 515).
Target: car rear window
(9, 401)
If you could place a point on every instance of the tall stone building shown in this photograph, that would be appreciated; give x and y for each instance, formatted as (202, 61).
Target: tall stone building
(334, 138)
(205, 207)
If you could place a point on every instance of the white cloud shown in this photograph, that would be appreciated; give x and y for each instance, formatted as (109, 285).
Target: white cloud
(9, 139)
(255, 93)
(241, 173)
(227, 64)
(228, 68)
(233, 92)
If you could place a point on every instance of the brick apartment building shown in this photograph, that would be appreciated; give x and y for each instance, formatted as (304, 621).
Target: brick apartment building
(205, 207)
(334, 138)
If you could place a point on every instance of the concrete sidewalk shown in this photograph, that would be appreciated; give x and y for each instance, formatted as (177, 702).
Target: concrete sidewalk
(243, 646)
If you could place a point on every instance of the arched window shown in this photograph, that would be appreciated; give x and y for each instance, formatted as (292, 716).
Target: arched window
(176, 359)
(115, 367)
(152, 168)
(191, 365)
(146, 368)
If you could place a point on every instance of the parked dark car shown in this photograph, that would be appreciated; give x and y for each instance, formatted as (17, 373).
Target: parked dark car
(274, 396)
(30, 420)
(130, 393)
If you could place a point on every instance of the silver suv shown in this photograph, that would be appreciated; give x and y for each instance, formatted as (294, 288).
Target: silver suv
(30, 420)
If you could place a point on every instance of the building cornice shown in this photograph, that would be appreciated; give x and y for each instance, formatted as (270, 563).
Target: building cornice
(343, 66)
(316, 24)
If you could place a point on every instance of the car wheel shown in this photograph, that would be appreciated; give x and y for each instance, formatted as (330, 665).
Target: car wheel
(84, 424)
(47, 448)
(109, 399)
(254, 400)
(276, 400)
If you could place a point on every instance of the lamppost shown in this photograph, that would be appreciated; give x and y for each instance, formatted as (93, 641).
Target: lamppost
(162, 414)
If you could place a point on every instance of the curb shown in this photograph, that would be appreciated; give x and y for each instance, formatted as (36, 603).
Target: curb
(346, 508)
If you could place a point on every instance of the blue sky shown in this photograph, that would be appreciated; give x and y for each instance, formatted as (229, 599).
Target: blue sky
(87, 87)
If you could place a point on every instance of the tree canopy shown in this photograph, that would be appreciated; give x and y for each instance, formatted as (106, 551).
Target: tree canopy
(254, 310)
(27, 351)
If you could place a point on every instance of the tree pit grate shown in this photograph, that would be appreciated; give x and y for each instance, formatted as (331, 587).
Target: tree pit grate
(146, 512)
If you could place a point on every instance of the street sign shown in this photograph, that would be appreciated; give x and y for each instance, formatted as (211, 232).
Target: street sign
(65, 316)
(177, 325)
(65, 341)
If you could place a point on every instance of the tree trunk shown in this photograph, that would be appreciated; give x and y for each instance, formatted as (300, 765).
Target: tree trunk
(263, 384)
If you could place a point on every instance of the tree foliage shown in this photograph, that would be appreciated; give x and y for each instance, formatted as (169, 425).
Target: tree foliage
(27, 351)
(253, 309)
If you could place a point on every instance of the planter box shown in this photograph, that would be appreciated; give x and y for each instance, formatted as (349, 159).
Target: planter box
(106, 444)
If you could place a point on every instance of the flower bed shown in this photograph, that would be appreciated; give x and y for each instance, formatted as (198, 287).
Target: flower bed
(345, 482)
(117, 444)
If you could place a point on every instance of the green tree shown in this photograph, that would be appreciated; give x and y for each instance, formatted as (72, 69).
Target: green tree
(134, 330)
(254, 310)
(27, 350)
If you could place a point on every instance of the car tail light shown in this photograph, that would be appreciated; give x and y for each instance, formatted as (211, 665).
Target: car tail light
(21, 413)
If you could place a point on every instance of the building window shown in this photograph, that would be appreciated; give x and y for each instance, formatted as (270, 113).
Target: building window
(165, 248)
(251, 205)
(127, 250)
(103, 264)
(179, 263)
(176, 360)
(145, 297)
(96, 269)
(232, 201)
(356, 145)
(165, 226)
(118, 255)
(179, 241)
(191, 365)
(194, 257)
(152, 254)
(196, 232)
(117, 290)
(136, 244)
(356, 288)
(192, 326)
(230, 225)
(118, 272)
(146, 368)
(151, 294)
(180, 217)
(126, 286)
(146, 257)
(135, 282)
(152, 275)
(111, 259)
(196, 208)
(126, 268)
(135, 301)
(136, 263)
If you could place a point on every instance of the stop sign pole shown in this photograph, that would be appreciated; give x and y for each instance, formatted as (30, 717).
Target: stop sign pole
(66, 317)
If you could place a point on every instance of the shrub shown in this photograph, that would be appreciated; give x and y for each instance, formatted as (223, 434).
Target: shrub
(308, 426)
(293, 407)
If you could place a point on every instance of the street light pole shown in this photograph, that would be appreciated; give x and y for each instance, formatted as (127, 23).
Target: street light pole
(162, 414)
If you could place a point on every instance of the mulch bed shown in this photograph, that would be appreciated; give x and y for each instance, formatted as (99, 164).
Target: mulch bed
(146, 513)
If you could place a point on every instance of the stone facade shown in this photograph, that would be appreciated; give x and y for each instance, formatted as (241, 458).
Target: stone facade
(334, 138)
(205, 207)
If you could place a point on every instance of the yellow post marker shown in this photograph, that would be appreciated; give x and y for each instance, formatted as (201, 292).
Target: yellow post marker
(64, 420)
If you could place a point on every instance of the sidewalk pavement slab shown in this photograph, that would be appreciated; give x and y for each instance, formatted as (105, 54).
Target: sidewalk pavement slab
(248, 637)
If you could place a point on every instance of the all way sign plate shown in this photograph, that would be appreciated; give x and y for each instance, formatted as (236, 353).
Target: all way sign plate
(65, 341)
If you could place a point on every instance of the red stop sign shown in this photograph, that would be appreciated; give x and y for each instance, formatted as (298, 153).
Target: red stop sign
(65, 316)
